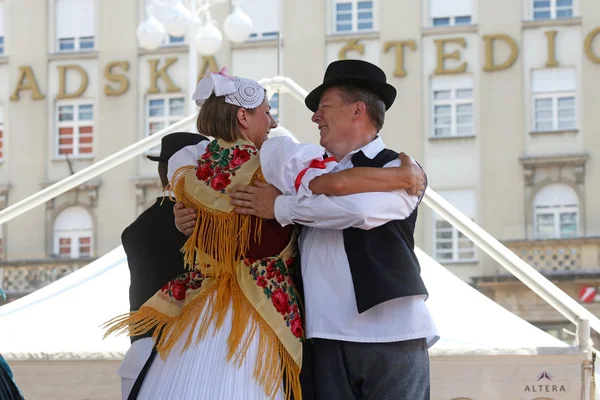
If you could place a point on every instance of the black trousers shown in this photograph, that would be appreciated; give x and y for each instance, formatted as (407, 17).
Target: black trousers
(370, 371)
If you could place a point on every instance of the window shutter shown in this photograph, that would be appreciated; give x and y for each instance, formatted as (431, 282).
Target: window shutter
(2, 19)
(554, 80)
(463, 200)
(264, 15)
(446, 8)
(75, 18)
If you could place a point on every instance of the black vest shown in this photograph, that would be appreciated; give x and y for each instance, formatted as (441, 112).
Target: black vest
(382, 260)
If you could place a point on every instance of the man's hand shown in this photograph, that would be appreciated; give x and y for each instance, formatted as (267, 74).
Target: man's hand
(256, 200)
(416, 174)
(185, 218)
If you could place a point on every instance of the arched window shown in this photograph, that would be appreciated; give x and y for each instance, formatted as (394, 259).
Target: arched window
(73, 231)
(556, 212)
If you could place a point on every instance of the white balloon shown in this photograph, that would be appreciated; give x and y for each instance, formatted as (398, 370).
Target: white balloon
(208, 39)
(176, 19)
(237, 26)
(151, 34)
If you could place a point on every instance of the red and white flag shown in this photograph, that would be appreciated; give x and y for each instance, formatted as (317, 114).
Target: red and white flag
(589, 294)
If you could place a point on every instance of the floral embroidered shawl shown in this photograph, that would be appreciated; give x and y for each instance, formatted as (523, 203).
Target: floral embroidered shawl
(260, 292)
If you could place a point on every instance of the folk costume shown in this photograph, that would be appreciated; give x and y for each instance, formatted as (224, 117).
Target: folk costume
(365, 300)
(8, 387)
(231, 327)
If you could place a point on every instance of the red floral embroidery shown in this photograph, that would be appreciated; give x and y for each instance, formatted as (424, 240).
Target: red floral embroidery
(221, 181)
(178, 287)
(203, 173)
(218, 164)
(273, 275)
(239, 157)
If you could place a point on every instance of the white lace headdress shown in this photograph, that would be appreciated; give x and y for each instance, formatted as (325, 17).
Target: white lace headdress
(241, 92)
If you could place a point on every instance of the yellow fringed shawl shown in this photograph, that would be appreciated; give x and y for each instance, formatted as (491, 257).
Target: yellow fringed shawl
(222, 278)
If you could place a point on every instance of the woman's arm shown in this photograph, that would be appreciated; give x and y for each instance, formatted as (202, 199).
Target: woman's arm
(363, 179)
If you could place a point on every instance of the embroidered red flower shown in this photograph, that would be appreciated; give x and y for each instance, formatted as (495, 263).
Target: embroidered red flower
(281, 301)
(261, 281)
(239, 157)
(204, 172)
(221, 181)
(178, 291)
(207, 155)
(296, 327)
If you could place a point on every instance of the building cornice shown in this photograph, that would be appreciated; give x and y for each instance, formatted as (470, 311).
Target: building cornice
(75, 55)
(449, 30)
(574, 160)
(344, 37)
(552, 23)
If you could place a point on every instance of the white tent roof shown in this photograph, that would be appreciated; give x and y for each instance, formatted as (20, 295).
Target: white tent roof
(62, 320)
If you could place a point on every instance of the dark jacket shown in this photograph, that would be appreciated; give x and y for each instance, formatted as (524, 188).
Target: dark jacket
(152, 243)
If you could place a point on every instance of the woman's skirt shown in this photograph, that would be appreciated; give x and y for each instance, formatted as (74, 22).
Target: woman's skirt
(202, 371)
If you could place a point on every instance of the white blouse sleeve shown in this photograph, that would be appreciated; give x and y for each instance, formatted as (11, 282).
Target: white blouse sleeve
(282, 160)
(189, 155)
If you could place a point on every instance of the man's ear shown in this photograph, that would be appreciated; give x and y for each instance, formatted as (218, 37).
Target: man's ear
(242, 117)
(360, 110)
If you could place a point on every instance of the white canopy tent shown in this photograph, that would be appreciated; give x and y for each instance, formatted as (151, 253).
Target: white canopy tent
(485, 352)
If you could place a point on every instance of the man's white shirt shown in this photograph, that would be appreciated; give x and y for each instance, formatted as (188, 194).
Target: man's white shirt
(330, 303)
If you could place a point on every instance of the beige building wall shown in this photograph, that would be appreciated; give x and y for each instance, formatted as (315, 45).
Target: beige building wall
(493, 174)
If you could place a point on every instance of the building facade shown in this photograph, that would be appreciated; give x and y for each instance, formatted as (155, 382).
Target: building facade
(498, 102)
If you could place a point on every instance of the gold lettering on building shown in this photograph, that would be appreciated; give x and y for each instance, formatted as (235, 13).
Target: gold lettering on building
(62, 82)
(552, 62)
(120, 79)
(490, 62)
(27, 82)
(589, 46)
(156, 73)
(351, 45)
(442, 56)
(209, 64)
(399, 47)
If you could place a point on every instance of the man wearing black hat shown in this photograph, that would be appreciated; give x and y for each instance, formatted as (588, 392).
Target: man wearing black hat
(152, 244)
(364, 296)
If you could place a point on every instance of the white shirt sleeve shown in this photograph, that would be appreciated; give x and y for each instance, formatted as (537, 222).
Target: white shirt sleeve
(189, 155)
(282, 160)
(364, 211)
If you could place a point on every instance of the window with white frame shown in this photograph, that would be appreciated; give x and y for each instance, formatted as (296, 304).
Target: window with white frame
(451, 13)
(450, 244)
(75, 25)
(1, 133)
(274, 103)
(75, 129)
(556, 212)
(151, 9)
(2, 28)
(73, 233)
(162, 111)
(554, 99)
(552, 9)
(353, 16)
(452, 107)
(265, 18)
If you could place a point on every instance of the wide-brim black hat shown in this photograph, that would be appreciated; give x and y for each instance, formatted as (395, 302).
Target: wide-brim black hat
(174, 142)
(357, 73)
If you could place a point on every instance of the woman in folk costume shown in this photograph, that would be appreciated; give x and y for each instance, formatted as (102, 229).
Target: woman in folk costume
(231, 328)
(8, 387)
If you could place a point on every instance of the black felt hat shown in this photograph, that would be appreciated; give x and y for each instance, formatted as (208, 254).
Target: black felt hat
(174, 142)
(353, 72)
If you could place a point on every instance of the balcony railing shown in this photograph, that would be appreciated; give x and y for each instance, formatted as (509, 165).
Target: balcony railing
(559, 255)
(20, 278)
